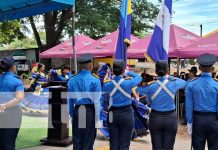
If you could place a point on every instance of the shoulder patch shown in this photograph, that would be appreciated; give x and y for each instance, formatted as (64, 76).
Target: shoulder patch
(149, 83)
(95, 75)
(193, 79)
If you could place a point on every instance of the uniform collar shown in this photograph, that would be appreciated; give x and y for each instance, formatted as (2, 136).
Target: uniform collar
(205, 74)
(84, 71)
(118, 77)
(162, 78)
(10, 73)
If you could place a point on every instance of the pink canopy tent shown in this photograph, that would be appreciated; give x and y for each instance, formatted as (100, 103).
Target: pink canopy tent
(104, 47)
(205, 45)
(65, 49)
(179, 38)
(138, 49)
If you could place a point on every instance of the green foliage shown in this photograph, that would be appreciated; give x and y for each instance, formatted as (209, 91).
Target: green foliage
(10, 31)
(96, 18)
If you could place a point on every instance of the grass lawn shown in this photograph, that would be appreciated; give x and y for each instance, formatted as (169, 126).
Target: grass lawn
(33, 129)
(30, 137)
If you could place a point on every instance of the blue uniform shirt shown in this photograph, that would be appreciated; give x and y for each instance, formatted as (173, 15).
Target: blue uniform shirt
(118, 99)
(61, 78)
(142, 90)
(201, 95)
(9, 84)
(164, 102)
(84, 88)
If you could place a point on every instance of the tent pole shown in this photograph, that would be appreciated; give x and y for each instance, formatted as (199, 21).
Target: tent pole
(73, 40)
(177, 94)
(70, 62)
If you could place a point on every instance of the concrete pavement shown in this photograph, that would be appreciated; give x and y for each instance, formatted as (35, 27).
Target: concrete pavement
(183, 142)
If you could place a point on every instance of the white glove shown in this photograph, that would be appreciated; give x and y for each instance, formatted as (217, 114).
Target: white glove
(2, 108)
(99, 124)
(189, 125)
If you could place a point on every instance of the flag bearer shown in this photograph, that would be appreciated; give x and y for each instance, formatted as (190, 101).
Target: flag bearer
(163, 118)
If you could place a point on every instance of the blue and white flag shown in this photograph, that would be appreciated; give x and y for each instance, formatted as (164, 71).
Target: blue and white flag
(159, 44)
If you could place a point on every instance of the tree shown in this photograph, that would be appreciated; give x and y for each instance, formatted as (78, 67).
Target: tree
(95, 18)
(10, 31)
(98, 17)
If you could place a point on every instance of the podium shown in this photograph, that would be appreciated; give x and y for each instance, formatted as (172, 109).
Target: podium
(58, 117)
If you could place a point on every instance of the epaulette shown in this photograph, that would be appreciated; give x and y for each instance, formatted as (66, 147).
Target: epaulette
(128, 78)
(73, 76)
(215, 79)
(105, 81)
(134, 89)
(149, 83)
(95, 75)
(194, 79)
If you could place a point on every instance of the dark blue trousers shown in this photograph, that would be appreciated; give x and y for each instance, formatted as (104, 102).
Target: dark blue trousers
(120, 127)
(203, 131)
(10, 122)
(163, 128)
(84, 131)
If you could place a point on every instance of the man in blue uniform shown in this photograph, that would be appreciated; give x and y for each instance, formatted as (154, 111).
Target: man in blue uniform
(163, 118)
(202, 105)
(85, 93)
(192, 74)
(65, 74)
(11, 94)
(118, 92)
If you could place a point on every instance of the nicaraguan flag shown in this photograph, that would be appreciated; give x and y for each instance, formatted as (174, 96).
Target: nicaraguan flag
(159, 44)
(124, 38)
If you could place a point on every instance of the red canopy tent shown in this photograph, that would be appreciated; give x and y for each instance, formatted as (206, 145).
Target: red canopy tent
(179, 38)
(205, 45)
(65, 49)
(104, 47)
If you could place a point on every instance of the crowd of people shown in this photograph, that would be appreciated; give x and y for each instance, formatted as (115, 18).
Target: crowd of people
(120, 103)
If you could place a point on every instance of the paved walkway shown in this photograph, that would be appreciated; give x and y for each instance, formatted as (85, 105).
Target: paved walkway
(183, 142)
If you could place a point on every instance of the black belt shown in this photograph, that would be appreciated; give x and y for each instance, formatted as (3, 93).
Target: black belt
(204, 113)
(86, 105)
(155, 111)
(119, 107)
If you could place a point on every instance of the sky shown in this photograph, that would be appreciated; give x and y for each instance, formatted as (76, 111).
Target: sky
(189, 14)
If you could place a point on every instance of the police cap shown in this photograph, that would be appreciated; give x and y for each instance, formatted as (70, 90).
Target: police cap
(85, 58)
(193, 70)
(206, 60)
(8, 61)
(119, 64)
(161, 65)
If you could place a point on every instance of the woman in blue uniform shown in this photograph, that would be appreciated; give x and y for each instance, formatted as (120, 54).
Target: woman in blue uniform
(37, 99)
(163, 119)
(11, 94)
(121, 119)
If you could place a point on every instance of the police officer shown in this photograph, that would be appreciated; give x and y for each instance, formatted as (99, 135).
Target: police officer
(163, 119)
(202, 105)
(11, 94)
(120, 113)
(85, 93)
(192, 73)
(65, 73)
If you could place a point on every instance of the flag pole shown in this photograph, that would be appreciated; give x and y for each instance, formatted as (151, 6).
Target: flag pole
(73, 40)
(125, 53)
